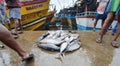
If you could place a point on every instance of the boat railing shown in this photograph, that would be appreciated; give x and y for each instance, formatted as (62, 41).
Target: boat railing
(88, 13)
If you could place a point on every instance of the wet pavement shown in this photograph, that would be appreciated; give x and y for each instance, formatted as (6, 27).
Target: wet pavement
(90, 53)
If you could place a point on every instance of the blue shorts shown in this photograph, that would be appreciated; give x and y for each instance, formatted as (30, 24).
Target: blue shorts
(15, 13)
(101, 16)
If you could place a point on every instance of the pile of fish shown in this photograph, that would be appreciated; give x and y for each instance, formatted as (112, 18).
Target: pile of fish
(62, 41)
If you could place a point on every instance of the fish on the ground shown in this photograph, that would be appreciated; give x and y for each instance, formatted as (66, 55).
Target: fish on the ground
(75, 36)
(62, 41)
(74, 45)
(51, 41)
(51, 47)
(63, 47)
(44, 36)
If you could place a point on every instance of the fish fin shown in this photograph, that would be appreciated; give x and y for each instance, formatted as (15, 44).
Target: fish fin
(60, 57)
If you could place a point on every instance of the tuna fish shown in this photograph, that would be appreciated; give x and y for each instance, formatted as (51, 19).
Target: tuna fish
(51, 47)
(75, 36)
(44, 36)
(60, 40)
(63, 47)
(51, 41)
(57, 34)
(74, 45)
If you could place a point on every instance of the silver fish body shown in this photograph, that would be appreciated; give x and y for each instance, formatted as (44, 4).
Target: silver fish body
(75, 36)
(51, 41)
(43, 36)
(74, 45)
(51, 47)
(62, 41)
(63, 47)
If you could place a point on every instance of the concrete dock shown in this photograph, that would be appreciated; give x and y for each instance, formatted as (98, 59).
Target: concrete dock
(90, 53)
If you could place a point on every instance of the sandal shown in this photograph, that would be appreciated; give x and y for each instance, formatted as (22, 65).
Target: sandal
(98, 40)
(31, 56)
(21, 32)
(15, 36)
(115, 44)
(14, 33)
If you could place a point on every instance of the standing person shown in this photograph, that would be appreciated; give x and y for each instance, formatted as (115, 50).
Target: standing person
(7, 38)
(114, 7)
(101, 14)
(15, 14)
(3, 14)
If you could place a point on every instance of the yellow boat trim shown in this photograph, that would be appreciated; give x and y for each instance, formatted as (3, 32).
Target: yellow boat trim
(35, 22)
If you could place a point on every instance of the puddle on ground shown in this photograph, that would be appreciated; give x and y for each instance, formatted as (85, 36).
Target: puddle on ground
(116, 58)
(5, 58)
(48, 58)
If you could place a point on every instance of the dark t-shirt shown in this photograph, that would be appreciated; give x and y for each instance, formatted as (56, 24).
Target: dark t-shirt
(13, 3)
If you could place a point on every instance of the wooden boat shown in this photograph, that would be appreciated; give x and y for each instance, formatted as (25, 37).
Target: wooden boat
(34, 13)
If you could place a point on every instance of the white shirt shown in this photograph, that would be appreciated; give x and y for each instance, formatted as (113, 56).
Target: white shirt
(102, 6)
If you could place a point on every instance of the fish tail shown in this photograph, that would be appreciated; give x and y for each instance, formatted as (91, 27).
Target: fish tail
(60, 57)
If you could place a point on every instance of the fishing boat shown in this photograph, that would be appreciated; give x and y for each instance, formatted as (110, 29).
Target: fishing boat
(34, 13)
(85, 20)
(84, 13)
(79, 6)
